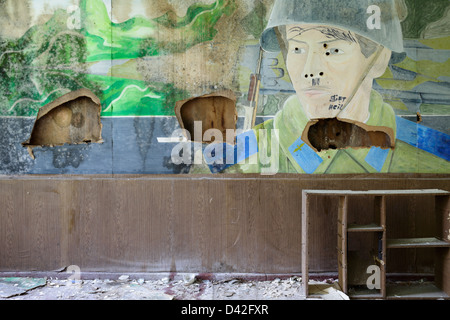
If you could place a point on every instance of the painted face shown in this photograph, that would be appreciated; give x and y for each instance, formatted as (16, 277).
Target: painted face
(326, 67)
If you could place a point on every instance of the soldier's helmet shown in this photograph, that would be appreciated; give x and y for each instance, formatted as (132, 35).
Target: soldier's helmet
(376, 20)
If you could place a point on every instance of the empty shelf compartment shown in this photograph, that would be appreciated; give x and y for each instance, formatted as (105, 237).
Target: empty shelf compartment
(373, 227)
(427, 290)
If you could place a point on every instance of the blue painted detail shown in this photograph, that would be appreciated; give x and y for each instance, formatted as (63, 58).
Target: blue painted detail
(424, 138)
(246, 146)
(215, 156)
(219, 157)
(305, 156)
(376, 158)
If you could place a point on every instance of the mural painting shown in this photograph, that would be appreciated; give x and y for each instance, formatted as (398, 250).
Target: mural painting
(317, 88)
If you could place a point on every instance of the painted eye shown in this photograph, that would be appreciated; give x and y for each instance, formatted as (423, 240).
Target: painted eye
(334, 51)
(299, 51)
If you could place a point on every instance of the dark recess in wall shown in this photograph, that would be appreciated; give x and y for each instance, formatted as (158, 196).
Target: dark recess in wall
(214, 111)
(335, 134)
(72, 119)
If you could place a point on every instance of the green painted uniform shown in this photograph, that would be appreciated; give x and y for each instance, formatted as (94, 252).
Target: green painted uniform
(290, 124)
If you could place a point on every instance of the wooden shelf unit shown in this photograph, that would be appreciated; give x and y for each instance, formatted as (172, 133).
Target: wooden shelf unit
(440, 242)
(417, 243)
(365, 228)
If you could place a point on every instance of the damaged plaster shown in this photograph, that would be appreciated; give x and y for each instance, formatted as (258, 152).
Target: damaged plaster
(72, 119)
(215, 111)
(328, 134)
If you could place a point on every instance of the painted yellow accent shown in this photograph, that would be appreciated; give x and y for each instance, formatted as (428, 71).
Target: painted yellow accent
(438, 43)
(403, 84)
(128, 70)
(387, 75)
(408, 64)
(399, 105)
(299, 148)
(427, 68)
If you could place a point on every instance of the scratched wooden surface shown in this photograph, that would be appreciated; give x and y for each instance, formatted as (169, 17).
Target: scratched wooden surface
(220, 224)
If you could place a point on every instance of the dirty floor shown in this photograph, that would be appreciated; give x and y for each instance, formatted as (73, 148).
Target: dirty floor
(186, 287)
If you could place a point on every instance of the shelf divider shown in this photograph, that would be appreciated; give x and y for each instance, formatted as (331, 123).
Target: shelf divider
(417, 243)
(373, 227)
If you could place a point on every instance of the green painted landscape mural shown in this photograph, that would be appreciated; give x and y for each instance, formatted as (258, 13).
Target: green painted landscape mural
(57, 57)
(373, 71)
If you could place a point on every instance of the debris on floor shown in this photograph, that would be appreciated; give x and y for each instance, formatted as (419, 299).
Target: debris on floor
(10, 287)
(188, 287)
(327, 291)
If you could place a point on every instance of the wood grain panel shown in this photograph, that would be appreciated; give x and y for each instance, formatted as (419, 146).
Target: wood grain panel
(280, 209)
(205, 224)
(410, 218)
(10, 193)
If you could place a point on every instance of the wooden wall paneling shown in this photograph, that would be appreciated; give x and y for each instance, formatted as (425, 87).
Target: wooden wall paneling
(145, 224)
(117, 226)
(180, 226)
(400, 224)
(410, 217)
(195, 206)
(281, 216)
(86, 227)
(323, 233)
(424, 227)
(362, 210)
(69, 215)
(242, 227)
(162, 219)
(85, 230)
(360, 245)
(41, 223)
(197, 226)
(121, 212)
(155, 225)
(211, 213)
(11, 232)
(160, 223)
(110, 213)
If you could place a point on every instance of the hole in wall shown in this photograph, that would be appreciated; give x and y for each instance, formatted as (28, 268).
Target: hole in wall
(72, 119)
(214, 111)
(419, 117)
(335, 134)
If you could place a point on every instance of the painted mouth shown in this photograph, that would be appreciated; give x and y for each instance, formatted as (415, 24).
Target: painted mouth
(315, 92)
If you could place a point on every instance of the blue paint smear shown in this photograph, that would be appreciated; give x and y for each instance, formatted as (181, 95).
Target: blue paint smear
(424, 138)
(246, 146)
(376, 158)
(305, 156)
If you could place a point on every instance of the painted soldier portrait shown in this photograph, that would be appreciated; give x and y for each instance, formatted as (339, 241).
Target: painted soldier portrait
(336, 122)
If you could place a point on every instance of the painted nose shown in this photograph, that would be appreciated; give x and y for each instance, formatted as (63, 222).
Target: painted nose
(313, 66)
